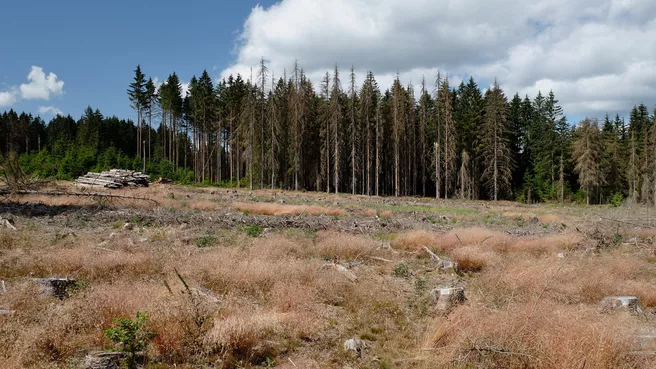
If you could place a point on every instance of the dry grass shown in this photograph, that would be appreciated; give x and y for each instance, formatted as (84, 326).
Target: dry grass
(534, 336)
(281, 209)
(270, 296)
(343, 246)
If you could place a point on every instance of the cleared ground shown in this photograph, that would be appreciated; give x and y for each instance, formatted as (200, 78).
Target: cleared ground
(266, 287)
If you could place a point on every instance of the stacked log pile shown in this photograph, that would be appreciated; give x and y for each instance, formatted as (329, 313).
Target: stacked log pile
(114, 178)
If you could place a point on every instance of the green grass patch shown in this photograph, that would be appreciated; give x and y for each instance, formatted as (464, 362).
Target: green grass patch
(253, 231)
(206, 241)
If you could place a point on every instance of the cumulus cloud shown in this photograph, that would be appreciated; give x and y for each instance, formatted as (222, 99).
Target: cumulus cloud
(41, 86)
(8, 98)
(595, 55)
(52, 110)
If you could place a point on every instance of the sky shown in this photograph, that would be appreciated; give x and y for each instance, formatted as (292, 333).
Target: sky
(597, 56)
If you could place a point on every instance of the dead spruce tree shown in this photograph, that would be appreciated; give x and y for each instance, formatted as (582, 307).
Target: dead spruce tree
(335, 127)
(424, 105)
(587, 155)
(398, 118)
(496, 152)
(448, 129)
(353, 129)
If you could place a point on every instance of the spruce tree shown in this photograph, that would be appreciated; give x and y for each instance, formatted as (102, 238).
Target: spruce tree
(497, 158)
(335, 127)
(137, 96)
(588, 156)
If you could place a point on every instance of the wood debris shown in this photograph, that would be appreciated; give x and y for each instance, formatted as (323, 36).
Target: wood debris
(114, 179)
(7, 223)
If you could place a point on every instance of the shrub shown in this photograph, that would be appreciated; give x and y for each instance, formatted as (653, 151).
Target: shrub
(401, 271)
(253, 231)
(617, 199)
(206, 241)
(132, 336)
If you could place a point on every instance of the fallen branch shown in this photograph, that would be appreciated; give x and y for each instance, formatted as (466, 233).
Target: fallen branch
(432, 254)
(340, 268)
(7, 223)
(380, 259)
(496, 350)
(80, 194)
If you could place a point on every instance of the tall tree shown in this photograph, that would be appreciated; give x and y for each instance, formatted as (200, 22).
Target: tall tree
(353, 128)
(448, 135)
(150, 100)
(335, 123)
(588, 155)
(497, 157)
(137, 95)
(398, 119)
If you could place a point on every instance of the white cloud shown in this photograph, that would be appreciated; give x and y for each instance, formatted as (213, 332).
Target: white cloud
(52, 110)
(41, 86)
(596, 55)
(8, 98)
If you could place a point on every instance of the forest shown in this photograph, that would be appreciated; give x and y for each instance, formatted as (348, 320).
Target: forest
(283, 132)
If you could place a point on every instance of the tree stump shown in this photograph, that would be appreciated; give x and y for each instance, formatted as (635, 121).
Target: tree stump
(445, 298)
(354, 345)
(58, 287)
(614, 303)
(102, 360)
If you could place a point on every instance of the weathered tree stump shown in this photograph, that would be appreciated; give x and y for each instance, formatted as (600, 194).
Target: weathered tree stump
(58, 287)
(445, 298)
(614, 303)
(354, 345)
(102, 360)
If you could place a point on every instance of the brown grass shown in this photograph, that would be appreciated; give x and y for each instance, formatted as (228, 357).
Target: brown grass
(281, 209)
(270, 296)
(343, 246)
(536, 336)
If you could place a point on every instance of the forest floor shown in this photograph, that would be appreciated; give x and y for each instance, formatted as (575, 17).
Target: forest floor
(238, 279)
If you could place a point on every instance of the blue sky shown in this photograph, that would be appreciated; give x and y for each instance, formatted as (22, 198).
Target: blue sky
(94, 46)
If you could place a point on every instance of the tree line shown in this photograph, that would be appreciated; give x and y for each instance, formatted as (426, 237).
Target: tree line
(270, 131)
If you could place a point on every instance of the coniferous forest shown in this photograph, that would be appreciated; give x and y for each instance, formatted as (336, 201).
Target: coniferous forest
(283, 132)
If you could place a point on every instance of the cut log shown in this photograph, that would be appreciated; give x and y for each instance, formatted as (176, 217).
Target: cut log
(114, 178)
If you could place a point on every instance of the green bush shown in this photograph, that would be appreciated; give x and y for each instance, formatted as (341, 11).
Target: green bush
(206, 241)
(131, 336)
(617, 199)
(253, 231)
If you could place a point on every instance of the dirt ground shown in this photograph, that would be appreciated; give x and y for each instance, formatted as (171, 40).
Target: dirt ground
(232, 278)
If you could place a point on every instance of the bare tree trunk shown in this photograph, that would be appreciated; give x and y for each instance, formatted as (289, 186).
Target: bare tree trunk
(377, 174)
(438, 180)
(496, 163)
(561, 180)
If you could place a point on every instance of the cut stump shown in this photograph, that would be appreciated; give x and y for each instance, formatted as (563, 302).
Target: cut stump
(614, 303)
(445, 298)
(58, 287)
(102, 360)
